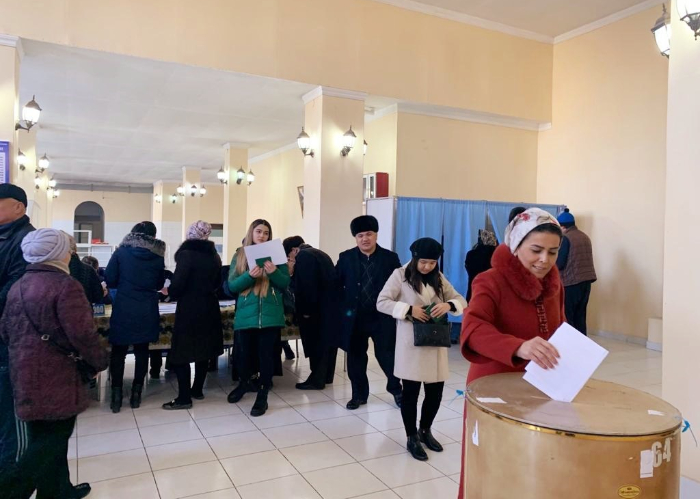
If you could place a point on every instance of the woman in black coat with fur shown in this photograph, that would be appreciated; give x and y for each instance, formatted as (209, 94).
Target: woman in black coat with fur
(197, 335)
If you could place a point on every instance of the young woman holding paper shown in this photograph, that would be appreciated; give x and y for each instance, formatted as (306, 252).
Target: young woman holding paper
(518, 304)
(259, 314)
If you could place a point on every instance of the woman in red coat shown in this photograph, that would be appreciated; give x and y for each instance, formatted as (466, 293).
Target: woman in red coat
(518, 304)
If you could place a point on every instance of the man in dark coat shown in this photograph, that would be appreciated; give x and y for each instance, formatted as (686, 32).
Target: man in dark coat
(316, 305)
(85, 275)
(362, 273)
(14, 225)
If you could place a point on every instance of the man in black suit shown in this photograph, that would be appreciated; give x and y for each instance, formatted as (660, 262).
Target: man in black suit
(316, 305)
(362, 273)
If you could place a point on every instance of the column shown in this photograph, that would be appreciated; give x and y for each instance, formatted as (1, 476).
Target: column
(332, 182)
(10, 56)
(167, 217)
(191, 204)
(235, 200)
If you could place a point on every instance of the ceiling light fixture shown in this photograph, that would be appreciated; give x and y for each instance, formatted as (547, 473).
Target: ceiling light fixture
(30, 115)
(689, 12)
(349, 139)
(662, 33)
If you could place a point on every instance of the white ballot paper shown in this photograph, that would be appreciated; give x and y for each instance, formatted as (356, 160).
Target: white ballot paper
(271, 249)
(579, 358)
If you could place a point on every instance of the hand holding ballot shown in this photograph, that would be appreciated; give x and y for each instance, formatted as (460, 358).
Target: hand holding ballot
(265, 256)
(540, 351)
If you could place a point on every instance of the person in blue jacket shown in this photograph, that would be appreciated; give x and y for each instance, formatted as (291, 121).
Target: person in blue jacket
(137, 271)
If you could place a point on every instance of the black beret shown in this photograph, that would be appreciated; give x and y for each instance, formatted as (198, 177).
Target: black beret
(365, 223)
(426, 248)
(12, 191)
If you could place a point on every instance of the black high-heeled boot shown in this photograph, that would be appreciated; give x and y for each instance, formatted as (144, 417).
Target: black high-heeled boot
(426, 436)
(260, 405)
(414, 446)
(116, 402)
(135, 400)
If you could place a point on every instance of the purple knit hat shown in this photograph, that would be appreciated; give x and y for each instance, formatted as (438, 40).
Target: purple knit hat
(199, 230)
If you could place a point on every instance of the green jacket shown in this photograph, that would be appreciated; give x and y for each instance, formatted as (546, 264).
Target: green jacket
(257, 312)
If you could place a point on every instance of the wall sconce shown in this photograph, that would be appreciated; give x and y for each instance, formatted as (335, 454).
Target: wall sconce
(364, 150)
(222, 176)
(52, 183)
(202, 191)
(689, 11)
(21, 160)
(662, 33)
(30, 115)
(240, 175)
(193, 190)
(251, 177)
(43, 163)
(173, 198)
(53, 193)
(180, 190)
(349, 139)
(37, 181)
(158, 198)
(304, 143)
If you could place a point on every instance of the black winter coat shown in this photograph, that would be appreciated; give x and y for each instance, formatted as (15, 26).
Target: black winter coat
(137, 271)
(88, 279)
(316, 300)
(198, 333)
(12, 264)
(349, 273)
(478, 260)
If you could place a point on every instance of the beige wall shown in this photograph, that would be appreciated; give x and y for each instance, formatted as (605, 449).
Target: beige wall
(118, 206)
(273, 196)
(212, 209)
(381, 148)
(439, 157)
(358, 45)
(605, 158)
(681, 372)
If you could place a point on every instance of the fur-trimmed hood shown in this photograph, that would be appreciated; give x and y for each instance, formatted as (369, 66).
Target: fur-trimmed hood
(198, 245)
(137, 240)
(525, 283)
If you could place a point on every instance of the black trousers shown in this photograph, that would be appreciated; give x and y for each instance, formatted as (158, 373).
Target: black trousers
(116, 364)
(575, 305)
(409, 405)
(156, 359)
(322, 358)
(44, 467)
(183, 373)
(384, 347)
(267, 342)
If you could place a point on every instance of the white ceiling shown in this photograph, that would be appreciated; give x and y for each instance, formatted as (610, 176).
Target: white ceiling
(112, 118)
(545, 17)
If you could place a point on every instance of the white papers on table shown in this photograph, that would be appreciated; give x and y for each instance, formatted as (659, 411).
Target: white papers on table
(271, 249)
(579, 358)
(167, 308)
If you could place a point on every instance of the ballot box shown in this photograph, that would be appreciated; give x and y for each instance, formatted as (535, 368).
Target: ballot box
(611, 442)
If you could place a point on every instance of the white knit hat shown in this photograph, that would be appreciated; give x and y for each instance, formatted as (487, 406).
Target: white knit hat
(45, 245)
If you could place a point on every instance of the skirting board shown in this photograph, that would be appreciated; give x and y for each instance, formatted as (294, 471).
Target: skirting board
(657, 347)
(621, 337)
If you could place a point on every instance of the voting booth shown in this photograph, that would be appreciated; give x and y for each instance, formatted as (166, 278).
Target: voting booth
(610, 442)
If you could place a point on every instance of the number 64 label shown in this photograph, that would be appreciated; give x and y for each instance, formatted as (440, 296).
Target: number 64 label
(661, 452)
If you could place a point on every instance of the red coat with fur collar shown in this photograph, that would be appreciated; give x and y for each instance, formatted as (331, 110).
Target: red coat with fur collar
(502, 314)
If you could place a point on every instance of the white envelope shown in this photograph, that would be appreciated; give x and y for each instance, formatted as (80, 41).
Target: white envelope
(271, 249)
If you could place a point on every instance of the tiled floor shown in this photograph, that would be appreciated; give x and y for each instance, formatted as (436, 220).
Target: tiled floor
(307, 445)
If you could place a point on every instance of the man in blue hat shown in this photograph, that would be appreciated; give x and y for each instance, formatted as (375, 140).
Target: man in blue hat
(575, 264)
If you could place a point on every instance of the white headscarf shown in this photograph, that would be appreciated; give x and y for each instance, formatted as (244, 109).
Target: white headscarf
(524, 223)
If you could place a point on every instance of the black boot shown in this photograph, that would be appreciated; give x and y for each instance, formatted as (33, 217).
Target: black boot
(238, 392)
(426, 436)
(416, 449)
(288, 352)
(116, 403)
(135, 401)
(260, 405)
(80, 491)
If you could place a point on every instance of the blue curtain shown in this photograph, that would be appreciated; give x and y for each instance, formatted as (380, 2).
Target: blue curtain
(462, 221)
(416, 218)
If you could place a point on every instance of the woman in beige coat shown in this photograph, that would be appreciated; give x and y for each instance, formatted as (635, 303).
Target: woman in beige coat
(410, 288)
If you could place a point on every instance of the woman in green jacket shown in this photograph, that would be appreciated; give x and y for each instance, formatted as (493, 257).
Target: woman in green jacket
(259, 314)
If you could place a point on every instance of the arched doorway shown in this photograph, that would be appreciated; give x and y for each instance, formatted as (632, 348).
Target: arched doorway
(89, 216)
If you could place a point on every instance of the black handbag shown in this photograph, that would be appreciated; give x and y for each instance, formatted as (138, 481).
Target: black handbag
(431, 335)
(85, 370)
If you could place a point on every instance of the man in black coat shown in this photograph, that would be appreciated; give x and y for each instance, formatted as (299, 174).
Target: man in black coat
(14, 225)
(362, 273)
(316, 304)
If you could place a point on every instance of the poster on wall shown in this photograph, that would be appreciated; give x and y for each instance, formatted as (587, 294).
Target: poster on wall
(4, 162)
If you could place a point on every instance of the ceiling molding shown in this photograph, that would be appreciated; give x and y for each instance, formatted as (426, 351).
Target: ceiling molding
(378, 114)
(333, 92)
(612, 18)
(459, 17)
(270, 154)
(12, 41)
(473, 117)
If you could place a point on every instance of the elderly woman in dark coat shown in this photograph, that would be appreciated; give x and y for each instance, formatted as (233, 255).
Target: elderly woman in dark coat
(46, 308)
(197, 336)
(137, 271)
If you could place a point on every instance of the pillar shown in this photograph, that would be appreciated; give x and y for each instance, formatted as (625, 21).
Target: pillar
(332, 182)
(10, 57)
(235, 200)
(191, 204)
